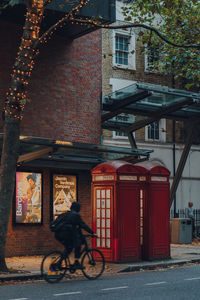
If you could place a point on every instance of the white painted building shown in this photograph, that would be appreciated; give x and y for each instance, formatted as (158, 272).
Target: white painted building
(123, 65)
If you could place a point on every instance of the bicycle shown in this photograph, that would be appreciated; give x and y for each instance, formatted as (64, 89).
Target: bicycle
(56, 263)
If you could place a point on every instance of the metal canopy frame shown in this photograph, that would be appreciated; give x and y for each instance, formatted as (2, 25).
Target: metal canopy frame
(153, 102)
(35, 151)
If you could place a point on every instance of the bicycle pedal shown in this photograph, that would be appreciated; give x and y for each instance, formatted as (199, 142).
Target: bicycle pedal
(72, 270)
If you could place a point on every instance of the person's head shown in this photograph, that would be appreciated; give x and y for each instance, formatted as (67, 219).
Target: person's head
(31, 179)
(190, 204)
(75, 206)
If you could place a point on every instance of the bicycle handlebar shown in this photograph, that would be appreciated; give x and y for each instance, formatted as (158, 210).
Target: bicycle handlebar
(90, 235)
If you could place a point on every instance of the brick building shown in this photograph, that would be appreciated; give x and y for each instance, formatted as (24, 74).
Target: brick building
(123, 65)
(65, 92)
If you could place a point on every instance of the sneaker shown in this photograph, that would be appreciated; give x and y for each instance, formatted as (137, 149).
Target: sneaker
(77, 265)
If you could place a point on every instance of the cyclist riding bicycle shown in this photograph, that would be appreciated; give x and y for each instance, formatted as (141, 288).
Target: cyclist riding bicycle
(70, 234)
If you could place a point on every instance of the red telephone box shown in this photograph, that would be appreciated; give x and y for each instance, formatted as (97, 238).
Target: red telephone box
(116, 209)
(156, 231)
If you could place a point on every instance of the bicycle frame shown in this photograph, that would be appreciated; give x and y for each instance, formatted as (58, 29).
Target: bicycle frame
(84, 249)
(56, 263)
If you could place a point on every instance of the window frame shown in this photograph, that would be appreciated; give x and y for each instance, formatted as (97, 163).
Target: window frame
(162, 131)
(127, 33)
(124, 137)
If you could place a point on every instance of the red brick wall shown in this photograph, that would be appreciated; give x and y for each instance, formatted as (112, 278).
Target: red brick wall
(65, 87)
(65, 94)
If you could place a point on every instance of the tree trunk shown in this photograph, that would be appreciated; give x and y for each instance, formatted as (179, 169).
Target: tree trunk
(9, 158)
(14, 105)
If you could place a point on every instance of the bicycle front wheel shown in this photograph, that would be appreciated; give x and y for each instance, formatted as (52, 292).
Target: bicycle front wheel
(53, 266)
(93, 263)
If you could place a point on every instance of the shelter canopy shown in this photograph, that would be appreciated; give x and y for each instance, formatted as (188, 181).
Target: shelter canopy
(45, 152)
(151, 102)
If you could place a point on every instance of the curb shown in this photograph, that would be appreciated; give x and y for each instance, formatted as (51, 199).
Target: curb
(163, 265)
(19, 277)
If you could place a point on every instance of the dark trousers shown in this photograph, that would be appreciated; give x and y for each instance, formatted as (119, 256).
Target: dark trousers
(68, 243)
(77, 251)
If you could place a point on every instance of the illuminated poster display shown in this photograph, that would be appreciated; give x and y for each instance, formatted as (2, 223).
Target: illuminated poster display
(28, 197)
(64, 193)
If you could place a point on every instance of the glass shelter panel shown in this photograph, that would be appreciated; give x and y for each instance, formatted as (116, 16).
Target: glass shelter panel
(157, 97)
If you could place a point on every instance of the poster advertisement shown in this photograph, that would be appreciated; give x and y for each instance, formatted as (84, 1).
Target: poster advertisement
(28, 197)
(64, 193)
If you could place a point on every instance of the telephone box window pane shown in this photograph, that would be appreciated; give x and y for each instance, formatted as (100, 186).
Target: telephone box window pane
(107, 193)
(141, 231)
(108, 213)
(108, 233)
(103, 213)
(98, 213)
(103, 233)
(98, 222)
(141, 213)
(98, 232)
(108, 203)
(141, 203)
(102, 203)
(98, 203)
(98, 193)
(98, 242)
(103, 223)
(103, 194)
(108, 223)
(108, 243)
(103, 242)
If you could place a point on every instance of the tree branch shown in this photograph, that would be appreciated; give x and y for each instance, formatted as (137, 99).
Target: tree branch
(150, 28)
(60, 22)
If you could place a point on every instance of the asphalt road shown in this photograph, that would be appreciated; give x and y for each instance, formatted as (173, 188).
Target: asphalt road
(171, 284)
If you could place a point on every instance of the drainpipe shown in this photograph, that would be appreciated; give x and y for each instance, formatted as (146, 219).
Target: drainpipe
(174, 158)
(174, 149)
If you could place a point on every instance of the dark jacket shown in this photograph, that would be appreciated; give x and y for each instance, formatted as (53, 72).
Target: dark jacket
(74, 237)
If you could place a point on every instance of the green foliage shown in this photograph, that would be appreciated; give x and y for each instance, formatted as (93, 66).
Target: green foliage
(179, 22)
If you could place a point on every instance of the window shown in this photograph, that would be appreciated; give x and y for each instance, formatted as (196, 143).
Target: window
(153, 131)
(156, 131)
(122, 118)
(120, 134)
(124, 49)
(121, 50)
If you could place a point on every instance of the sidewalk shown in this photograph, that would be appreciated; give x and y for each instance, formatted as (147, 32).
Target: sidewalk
(28, 267)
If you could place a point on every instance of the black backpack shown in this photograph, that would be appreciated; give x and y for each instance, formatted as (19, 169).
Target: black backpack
(58, 223)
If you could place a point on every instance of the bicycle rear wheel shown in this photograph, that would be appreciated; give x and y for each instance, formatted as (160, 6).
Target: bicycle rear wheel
(93, 263)
(53, 266)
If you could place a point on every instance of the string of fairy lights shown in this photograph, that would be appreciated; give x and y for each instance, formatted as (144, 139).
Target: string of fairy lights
(61, 22)
(16, 97)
